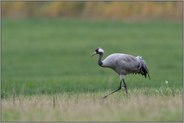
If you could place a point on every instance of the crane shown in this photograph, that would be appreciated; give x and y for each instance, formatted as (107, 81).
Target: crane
(122, 64)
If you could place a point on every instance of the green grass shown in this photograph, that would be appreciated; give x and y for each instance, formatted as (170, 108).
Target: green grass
(53, 57)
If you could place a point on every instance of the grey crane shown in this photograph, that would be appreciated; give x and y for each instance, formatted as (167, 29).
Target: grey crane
(123, 64)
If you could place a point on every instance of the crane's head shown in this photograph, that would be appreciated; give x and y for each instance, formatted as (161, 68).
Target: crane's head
(98, 51)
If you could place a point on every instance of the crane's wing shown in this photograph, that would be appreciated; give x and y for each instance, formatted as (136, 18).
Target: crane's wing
(125, 64)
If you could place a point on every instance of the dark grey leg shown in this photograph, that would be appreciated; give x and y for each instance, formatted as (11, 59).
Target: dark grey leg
(114, 90)
(125, 86)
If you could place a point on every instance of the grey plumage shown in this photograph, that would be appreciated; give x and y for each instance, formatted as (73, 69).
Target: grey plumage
(123, 64)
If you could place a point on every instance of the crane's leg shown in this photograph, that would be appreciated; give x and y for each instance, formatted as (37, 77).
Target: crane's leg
(119, 88)
(125, 86)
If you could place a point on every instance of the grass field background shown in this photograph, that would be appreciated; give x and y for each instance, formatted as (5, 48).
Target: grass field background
(44, 58)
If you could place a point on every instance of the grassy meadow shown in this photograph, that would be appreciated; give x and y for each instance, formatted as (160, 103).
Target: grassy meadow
(91, 107)
(47, 67)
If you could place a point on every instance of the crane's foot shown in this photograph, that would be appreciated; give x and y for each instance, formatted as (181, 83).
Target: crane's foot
(112, 92)
(126, 92)
(105, 97)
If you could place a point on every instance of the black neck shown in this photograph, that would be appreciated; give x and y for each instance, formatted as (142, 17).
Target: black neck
(100, 59)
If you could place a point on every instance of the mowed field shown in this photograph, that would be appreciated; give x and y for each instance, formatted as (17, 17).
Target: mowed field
(48, 73)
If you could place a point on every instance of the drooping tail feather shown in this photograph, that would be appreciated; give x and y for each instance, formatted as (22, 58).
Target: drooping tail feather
(143, 67)
(145, 71)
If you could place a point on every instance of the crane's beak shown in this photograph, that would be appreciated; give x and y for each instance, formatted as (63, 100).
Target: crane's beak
(93, 54)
